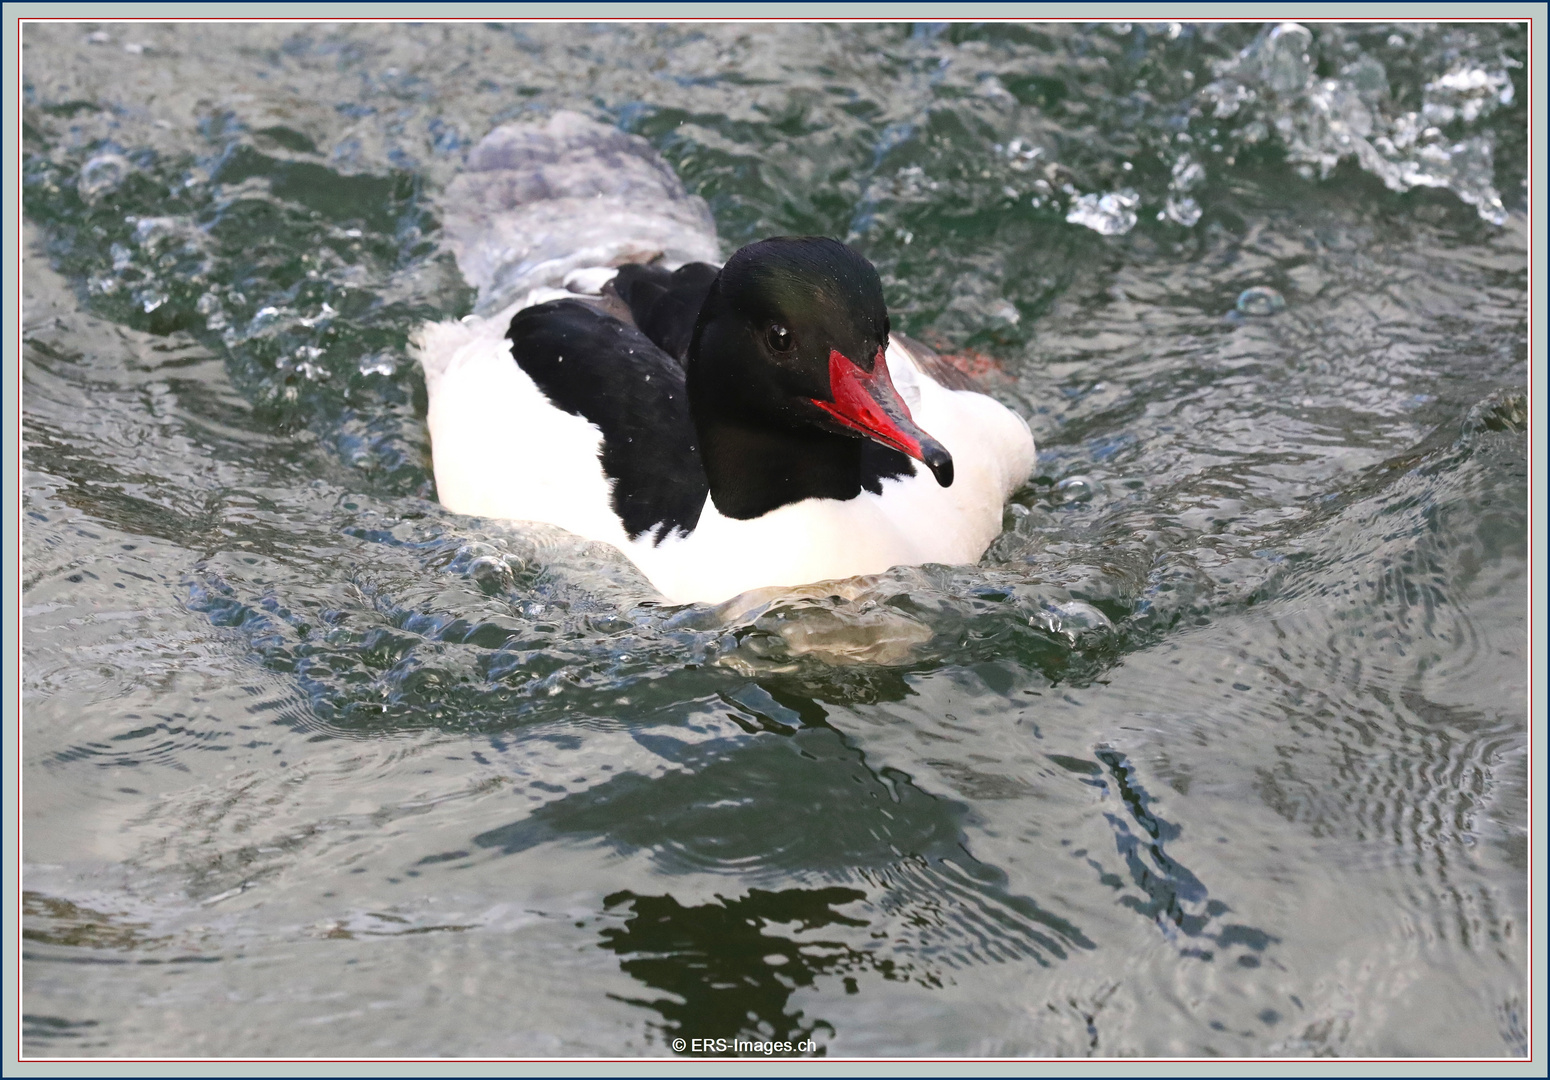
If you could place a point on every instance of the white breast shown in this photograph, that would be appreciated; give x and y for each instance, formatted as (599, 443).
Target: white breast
(913, 520)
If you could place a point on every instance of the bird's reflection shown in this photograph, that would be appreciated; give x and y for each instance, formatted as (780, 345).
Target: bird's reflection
(841, 870)
(729, 968)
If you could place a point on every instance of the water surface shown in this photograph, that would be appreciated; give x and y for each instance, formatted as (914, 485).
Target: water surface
(1219, 750)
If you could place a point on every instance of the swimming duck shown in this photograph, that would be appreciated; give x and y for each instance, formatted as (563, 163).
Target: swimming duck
(757, 423)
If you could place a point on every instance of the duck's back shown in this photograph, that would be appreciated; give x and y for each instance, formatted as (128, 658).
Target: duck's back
(536, 204)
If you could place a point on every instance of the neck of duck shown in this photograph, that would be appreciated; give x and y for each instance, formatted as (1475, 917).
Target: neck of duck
(758, 455)
(755, 466)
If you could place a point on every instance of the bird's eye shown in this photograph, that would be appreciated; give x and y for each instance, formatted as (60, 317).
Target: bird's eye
(779, 338)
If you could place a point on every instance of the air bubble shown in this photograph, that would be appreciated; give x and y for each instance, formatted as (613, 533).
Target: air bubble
(1260, 300)
(1073, 620)
(102, 174)
(1077, 489)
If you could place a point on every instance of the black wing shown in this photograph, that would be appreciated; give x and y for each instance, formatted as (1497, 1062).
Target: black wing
(592, 365)
(665, 304)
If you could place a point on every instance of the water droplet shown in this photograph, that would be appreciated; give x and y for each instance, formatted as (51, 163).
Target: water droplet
(1260, 300)
(101, 174)
(492, 574)
(151, 229)
(1184, 211)
(1113, 214)
(1072, 620)
(1187, 174)
(1075, 489)
(1284, 61)
(379, 364)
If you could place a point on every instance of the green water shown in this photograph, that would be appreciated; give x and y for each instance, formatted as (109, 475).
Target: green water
(1219, 750)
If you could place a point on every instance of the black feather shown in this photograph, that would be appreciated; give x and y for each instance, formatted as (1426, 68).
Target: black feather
(879, 463)
(664, 303)
(592, 365)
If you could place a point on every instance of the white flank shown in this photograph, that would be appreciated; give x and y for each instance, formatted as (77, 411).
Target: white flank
(499, 448)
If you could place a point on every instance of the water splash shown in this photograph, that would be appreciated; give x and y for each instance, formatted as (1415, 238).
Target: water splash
(1272, 88)
(1113, 214)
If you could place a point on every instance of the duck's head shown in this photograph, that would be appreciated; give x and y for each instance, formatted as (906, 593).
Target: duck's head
(792, 337)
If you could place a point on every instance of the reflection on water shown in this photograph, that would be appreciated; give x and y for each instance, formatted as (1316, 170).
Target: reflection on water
(739, 807)
(53, 921)
(772, 805)
(730, 972)
(1221, 750)
(1173, 897)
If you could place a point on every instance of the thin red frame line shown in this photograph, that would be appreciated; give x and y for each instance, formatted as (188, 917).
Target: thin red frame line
(557, 19)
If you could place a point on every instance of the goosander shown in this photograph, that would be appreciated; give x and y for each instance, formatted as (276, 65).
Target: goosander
(732, 427)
